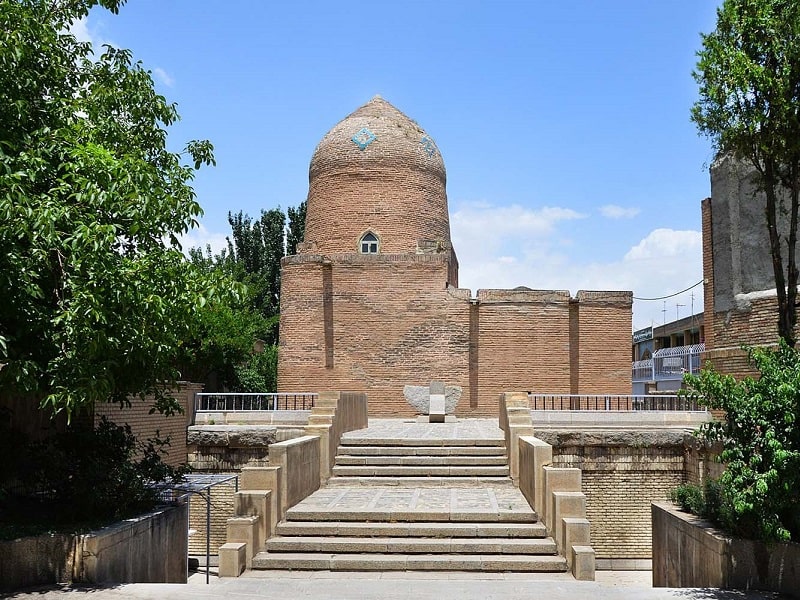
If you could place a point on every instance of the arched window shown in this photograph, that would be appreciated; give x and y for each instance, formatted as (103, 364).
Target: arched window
(369, 243)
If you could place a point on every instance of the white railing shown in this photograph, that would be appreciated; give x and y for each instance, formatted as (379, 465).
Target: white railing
(609, 402)
(669, 363)
(237, 402)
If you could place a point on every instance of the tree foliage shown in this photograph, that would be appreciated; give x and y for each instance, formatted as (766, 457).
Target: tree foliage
(82, 477)
(759, 491)
(252, 258)
(749, 76)
(97, 297)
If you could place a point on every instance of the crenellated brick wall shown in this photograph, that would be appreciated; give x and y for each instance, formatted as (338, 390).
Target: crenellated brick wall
(377, 323)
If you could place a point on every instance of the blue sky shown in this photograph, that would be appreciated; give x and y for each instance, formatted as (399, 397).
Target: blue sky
(564, 126)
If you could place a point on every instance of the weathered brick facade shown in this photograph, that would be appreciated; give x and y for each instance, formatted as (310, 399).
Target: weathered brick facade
(377, 322)
(740, 309)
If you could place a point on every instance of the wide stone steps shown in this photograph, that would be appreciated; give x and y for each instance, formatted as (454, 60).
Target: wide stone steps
(411, 503)
(409, 562)
(419, 471)
(426, 461)
(372, 450)
(411, 545)
(394, 529)
(426, 481)
(370, 459)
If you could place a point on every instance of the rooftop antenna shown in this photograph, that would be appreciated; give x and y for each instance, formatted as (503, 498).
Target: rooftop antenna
(664, 314)
(677, 308)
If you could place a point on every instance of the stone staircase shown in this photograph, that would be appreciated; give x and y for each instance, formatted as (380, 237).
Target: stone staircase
(414, 504)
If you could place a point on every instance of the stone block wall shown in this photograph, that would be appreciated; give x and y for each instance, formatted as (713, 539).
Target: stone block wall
(228, 448)
(150, 548)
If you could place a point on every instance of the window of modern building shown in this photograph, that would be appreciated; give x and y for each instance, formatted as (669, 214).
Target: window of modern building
(369, 243)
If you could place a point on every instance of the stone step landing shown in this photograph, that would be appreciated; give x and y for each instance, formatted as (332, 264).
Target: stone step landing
(394, 529)
(422, 481)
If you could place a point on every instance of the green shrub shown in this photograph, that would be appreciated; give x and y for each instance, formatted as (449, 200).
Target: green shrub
(759, 491)
(82, 478)
(690, 498)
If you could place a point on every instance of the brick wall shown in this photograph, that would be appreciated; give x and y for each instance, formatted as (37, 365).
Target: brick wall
(524, 342)
(376, 323)
(750, 323)
(620, 482)
(603, 347)
(221, 497)
(144, 425)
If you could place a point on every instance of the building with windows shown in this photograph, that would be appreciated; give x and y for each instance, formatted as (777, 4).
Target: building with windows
(371, 300)
(662, 355)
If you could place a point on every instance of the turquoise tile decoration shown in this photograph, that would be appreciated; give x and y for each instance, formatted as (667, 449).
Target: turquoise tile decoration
(363, 138)
(428, 145)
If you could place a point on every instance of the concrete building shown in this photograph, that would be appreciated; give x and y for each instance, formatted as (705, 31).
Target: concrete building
(371, 301)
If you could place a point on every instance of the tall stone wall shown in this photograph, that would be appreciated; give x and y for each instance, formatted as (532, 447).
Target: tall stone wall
(739, 291)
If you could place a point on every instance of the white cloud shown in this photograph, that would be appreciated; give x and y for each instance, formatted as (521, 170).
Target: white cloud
(613, 211)
(84, 32)
(200, 237)
(661, 243)
(505, 247)
(163, 76)
(80, 30)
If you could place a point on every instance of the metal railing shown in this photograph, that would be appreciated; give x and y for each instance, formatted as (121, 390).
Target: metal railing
(669, 363)
(235, 402)
(609, 402)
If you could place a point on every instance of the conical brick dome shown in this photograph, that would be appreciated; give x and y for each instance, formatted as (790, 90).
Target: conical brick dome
(377, 172)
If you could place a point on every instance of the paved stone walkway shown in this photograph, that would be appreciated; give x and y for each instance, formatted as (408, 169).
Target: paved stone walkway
(478, 429)
(390, 586)
(439, 504)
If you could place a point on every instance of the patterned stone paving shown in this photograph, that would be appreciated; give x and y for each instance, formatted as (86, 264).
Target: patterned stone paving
(425, 501)
(479, 429)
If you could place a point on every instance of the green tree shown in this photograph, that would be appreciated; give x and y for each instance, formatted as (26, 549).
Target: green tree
(749, 77)
(97, 297)
(296, 228)
(256, 250)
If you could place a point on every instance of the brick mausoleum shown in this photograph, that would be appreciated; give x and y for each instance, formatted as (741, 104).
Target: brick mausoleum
(371, 301)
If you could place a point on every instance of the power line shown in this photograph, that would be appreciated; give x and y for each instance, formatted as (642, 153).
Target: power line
(672, 295)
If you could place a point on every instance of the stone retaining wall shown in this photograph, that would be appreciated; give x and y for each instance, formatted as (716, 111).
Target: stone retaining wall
(689, 553)
(227, 448)
(151, 548)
